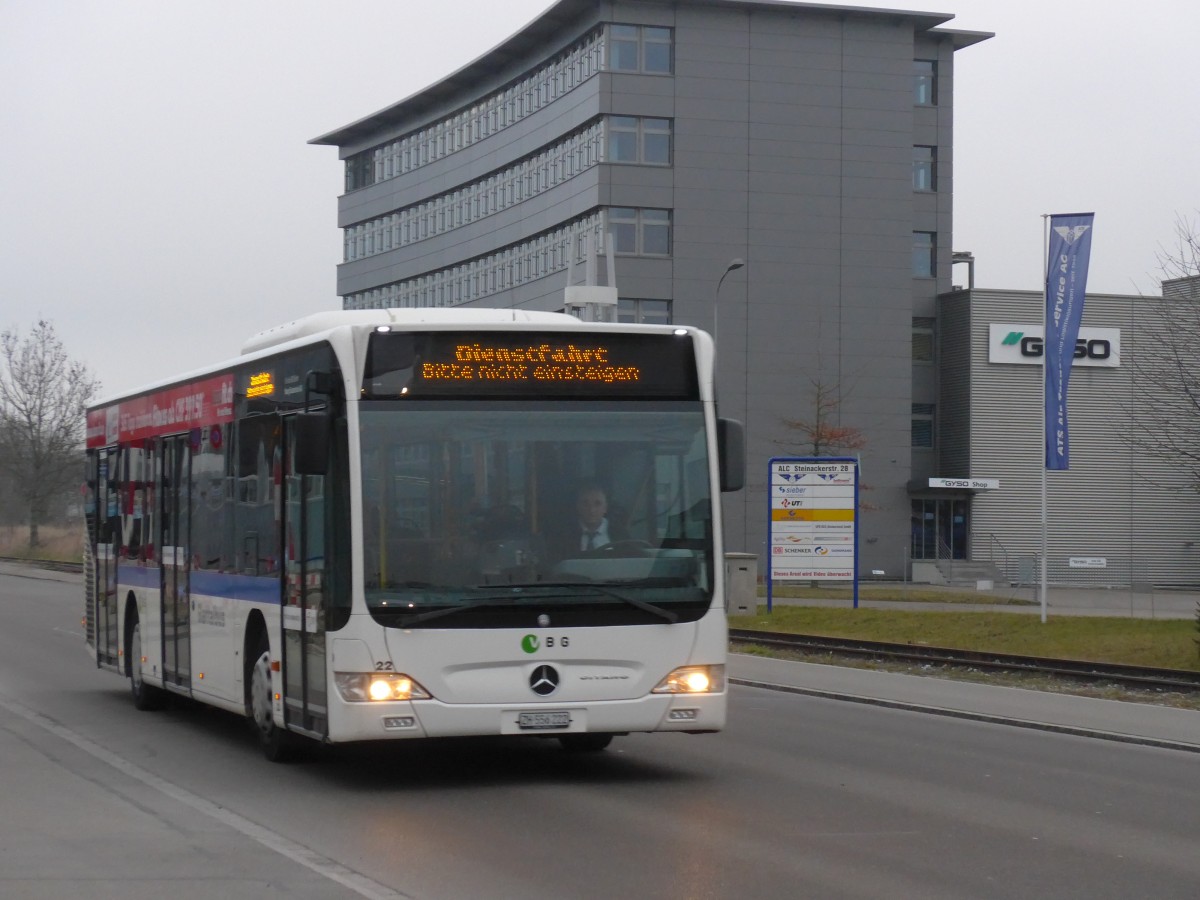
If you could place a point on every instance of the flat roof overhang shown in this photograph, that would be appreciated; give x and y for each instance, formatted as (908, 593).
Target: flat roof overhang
(534, 37)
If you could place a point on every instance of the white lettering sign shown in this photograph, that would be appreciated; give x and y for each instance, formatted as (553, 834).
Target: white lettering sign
(972, 484)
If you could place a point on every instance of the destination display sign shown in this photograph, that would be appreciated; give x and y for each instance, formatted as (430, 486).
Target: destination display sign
(500, 364)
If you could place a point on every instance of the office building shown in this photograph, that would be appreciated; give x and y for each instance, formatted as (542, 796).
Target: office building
(813, 143)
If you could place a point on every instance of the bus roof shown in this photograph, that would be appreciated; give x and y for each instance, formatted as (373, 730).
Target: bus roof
(399, 318)
(313, 326)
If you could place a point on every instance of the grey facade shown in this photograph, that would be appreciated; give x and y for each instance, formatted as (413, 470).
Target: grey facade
(1120, 515)
(813, 142)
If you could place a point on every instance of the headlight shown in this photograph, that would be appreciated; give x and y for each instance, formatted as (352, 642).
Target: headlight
(362, 687)
(693, 680)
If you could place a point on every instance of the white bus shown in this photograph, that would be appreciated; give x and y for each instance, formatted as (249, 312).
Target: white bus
(359, 530)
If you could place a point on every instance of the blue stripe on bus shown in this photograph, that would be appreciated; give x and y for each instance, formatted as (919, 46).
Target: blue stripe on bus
(139, 576)
(250, 588)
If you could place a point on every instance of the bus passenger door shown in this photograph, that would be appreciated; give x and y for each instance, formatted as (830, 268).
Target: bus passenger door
(104, 528)
(305, 584)
(175, 466)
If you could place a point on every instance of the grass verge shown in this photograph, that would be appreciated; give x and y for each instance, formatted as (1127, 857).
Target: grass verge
(61, 543)
(1168, 644)
(908, 593)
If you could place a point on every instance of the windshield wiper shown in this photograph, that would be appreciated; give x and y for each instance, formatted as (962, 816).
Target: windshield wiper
(518, 596)
(475, 603)
(661, 612)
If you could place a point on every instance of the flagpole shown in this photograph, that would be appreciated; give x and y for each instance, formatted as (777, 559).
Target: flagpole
(1071, 237)
(1045, 424)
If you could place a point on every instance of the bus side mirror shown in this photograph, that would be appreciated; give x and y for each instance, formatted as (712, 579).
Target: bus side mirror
(310, 434)
(731, 453)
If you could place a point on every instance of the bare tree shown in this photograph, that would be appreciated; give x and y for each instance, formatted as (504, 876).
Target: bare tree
(1182, 259)
(43, 395)
(1164, 413)
(820, 431)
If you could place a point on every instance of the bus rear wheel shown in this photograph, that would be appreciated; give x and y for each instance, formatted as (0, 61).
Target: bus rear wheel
(275, 742)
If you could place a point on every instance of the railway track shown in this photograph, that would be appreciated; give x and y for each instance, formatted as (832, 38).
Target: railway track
(1139, 677)
(51, 564)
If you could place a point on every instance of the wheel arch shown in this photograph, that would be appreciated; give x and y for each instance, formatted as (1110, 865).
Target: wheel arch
(256, 632)
(131, 617)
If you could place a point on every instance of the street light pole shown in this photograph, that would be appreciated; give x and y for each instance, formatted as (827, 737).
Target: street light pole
(733, 266)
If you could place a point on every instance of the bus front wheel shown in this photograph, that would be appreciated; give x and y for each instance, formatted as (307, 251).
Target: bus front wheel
(145, 697)
(274, 741)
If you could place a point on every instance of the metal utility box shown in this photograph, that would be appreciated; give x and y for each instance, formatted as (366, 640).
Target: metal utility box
(741, 584)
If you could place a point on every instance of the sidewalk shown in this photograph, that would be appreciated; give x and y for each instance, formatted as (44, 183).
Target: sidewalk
(24, 570)
(1063, 601)
(1138, 723)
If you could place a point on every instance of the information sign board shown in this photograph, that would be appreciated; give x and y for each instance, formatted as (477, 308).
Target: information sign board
(812, 528)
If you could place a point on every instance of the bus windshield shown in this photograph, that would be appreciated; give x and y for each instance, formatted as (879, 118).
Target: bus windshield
(512, 514)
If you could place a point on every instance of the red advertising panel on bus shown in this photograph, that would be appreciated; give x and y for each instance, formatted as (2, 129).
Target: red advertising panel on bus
(196, 405)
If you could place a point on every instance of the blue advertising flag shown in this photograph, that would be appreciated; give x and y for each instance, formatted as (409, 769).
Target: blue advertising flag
(1066, 281)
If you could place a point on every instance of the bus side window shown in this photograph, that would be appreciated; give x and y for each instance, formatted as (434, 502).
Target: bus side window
(256, 530)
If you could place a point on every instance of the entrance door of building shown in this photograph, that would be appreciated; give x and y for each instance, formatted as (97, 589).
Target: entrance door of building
(940, 527)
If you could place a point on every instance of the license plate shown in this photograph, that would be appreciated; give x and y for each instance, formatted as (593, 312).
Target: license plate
(541, 721)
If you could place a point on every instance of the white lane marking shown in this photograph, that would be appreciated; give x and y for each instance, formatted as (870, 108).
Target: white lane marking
(322, 865)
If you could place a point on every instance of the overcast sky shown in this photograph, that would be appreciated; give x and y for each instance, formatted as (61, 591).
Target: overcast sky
(159, 201)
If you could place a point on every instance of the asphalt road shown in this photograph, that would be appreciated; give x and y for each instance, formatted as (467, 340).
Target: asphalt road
(800, 797)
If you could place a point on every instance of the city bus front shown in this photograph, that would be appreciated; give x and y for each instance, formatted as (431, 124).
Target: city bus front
(540, 539)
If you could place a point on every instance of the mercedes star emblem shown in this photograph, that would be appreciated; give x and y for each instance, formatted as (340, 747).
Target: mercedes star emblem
(544, 680)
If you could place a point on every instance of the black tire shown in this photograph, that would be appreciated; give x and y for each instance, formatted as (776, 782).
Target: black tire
(584, 743)
(276, 743)
(145, 696)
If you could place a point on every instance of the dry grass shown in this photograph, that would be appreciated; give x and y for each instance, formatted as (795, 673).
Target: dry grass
(63, 543)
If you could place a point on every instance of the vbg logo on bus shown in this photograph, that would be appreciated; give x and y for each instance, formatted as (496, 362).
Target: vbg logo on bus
(531, 643)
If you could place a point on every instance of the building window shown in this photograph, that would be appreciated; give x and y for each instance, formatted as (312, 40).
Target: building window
(360, 171)
(922, 425)
(640, 232)
(924, 168)
(925, 82)
(922, 339)
(644, 312)
(923, 256)
(636, 139)
(656, 50)
(470, 202)
(638, 48)
(488, 115)
(485, 276)
(656, 141)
